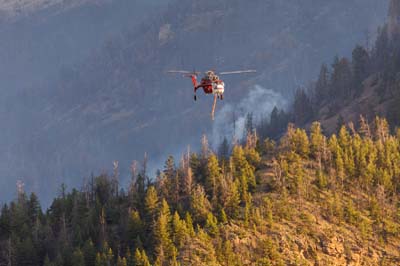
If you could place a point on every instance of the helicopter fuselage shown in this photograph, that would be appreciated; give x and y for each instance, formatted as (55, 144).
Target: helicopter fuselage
(211, 83)
(216, 87)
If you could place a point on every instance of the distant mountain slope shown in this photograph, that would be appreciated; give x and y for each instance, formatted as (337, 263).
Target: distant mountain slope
(354, 90)
(12, 7)
(35, 47)
(16, 9)
(120, 103)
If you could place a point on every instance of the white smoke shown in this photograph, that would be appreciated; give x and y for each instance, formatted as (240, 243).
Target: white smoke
(230, 120)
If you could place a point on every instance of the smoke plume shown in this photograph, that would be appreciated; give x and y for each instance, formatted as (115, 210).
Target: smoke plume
(230, 120)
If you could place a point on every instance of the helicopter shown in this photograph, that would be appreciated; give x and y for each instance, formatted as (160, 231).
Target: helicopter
(210, 82)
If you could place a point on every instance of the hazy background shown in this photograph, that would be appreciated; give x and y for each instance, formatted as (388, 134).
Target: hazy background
(83, 83)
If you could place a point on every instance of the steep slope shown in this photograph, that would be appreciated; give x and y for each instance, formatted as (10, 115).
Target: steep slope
(369, 82)
(120, 104)
(369, 104)
(308, 199)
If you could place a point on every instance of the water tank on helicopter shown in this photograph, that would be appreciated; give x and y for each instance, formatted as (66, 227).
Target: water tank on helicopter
(219, 88)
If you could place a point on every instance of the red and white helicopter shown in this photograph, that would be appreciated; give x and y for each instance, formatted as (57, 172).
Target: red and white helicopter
(211, 83)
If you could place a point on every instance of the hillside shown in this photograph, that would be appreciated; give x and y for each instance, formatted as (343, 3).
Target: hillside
(120, 96)
(14, 10)
(364, 85)
(306, 200)
(291, 192)
(34, 49)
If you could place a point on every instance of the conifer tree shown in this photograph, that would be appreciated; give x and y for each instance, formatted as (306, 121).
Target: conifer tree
(224, 150)
(78, 258)
(360, 68)
(322, 85)
(317, 141)
(211, 226)
(179, 231)
(151, 204)
(212, 177)
(341, 80)
(141, 258)
(122, 262)
(302, 108)
(242, 170)
(89, 253)
(135, 226)
(162, 237)
(200, 205)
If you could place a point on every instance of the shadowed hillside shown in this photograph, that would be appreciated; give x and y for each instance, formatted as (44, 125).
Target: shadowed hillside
(361, 86)
(116, 103)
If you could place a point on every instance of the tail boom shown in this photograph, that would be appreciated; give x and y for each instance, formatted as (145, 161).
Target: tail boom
(194, 81)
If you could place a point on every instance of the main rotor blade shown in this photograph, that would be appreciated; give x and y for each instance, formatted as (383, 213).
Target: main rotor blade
(238, 72)
(184, 72)
(179, 71)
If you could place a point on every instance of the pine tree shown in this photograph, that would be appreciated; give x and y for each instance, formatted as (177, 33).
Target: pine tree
(268, 211)
(213, 176)
(26, 253)
(189, 224)
(169, 168)
(151, 204)
(274, 124)
(141, 258)
(243, 171)
(211, 226)
(360, 68)
(200, 205)
(364, 130)
(381, 50)
(78, 258)
(5, 223)
(317, 140)
(180, 231)
(34, 210)
(381, 129)
(122, 261)
(135, 227)
(89, 253)
(322, 86)
(228, 258)
(341, 80)
(224, 150)
(232, 201)
(162, 237)
(302, 108)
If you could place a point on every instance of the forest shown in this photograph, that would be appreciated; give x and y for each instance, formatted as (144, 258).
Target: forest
(228, 207)
(342, 83)
(290, 193)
